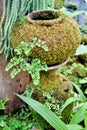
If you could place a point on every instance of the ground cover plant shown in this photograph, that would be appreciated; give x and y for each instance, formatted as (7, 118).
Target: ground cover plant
(78, 115)
(49, 115)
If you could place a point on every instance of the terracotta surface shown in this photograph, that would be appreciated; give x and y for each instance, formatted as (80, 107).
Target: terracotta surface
(10, 86)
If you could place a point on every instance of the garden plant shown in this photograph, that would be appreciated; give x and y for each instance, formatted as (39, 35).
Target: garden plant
(56, 96)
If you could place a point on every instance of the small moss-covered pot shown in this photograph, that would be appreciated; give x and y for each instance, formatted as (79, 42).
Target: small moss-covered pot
(59, 87)
(60, 33)
(54, 82)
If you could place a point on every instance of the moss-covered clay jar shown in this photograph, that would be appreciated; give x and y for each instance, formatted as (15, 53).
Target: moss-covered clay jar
(60, 33)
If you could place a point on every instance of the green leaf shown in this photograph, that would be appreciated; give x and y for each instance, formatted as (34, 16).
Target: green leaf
(2, 106)
(74, 127)
(79, 115)
(48, 115)
(83, 81)
(85, 120)
(70, 14)
(2, 123)
(3, 102)
(83, 98)
(82, 49)
(68, 101)
(78, 13)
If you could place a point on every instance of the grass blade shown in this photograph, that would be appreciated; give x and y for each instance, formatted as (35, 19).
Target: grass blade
(79, 115)
(48, 115)
(85, 120)
(70, 14)
(74, 127)
(83, 98)
(68, 101)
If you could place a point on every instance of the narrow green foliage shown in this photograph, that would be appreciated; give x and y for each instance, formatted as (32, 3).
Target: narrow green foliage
(22, 62)
(10, 18)
(85, 120)
(74, 126)
(82, 96)
(70, 14)
(79, 115)
(42, 4)
(68, 101)
(48, 115)
(51, 4)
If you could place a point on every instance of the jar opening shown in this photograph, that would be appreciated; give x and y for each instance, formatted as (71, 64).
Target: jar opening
(44, 15)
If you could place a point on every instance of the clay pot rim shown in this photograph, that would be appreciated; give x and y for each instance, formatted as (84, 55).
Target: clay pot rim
(59, 65)
(37, 13)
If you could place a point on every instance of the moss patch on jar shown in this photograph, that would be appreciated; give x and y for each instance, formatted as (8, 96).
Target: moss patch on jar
(60, 33)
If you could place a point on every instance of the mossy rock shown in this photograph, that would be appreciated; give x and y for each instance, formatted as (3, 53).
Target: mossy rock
(60, 33)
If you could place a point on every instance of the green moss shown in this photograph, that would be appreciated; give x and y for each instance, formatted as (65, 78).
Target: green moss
(58, 84)
(59, 87)
(54, 82)
(61, 35)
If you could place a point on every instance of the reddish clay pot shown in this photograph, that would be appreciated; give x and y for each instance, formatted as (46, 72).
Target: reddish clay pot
(10, 86)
